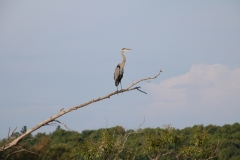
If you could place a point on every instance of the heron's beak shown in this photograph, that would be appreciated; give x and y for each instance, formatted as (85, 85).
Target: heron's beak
(127, 49)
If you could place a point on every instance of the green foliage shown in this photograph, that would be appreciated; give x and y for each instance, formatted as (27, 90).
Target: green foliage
(201, 146)
(162, 142)
(197, 142)
(109, 145)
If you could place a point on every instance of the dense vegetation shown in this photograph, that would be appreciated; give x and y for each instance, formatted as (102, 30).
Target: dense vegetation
(197, 142)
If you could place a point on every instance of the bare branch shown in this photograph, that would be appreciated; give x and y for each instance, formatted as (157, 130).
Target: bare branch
(130, 133)
(63, 111)
(13, 131)
(61, 123)
(145, 79)
(9, 136)
(141, 91)
(8, 133)
(20, 149)
(140, 124)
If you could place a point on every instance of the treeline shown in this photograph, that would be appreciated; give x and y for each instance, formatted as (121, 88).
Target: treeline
(197, 142)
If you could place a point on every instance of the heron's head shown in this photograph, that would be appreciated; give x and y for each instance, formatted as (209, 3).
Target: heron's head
(126, 49)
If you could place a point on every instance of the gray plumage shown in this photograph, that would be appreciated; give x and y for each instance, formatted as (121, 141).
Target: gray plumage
(118, 74)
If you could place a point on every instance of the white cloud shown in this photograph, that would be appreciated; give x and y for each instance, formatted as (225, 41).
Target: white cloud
(206, 94)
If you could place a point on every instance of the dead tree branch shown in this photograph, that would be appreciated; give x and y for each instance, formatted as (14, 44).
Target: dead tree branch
(10, 135)
(63, 111)
(125, 138)
(19, 149)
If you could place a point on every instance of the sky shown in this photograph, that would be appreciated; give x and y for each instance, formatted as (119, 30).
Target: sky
(59, 54)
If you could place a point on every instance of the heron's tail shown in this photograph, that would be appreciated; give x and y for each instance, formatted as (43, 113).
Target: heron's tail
(116, 82)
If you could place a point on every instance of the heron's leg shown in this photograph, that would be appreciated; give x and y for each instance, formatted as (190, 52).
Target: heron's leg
(121, 85)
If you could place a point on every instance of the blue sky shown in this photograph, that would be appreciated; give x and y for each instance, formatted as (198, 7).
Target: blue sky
(59, 54)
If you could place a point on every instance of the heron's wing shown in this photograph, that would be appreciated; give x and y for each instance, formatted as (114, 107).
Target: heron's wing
(121, 72)
(117, 72)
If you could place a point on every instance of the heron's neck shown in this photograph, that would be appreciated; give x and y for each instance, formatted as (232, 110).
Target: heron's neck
(124, 59)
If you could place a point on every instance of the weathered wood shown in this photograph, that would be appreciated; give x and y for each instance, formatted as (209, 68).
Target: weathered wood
(62, 112)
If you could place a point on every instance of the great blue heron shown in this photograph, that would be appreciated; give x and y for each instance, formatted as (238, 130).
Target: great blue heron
(118, 74)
